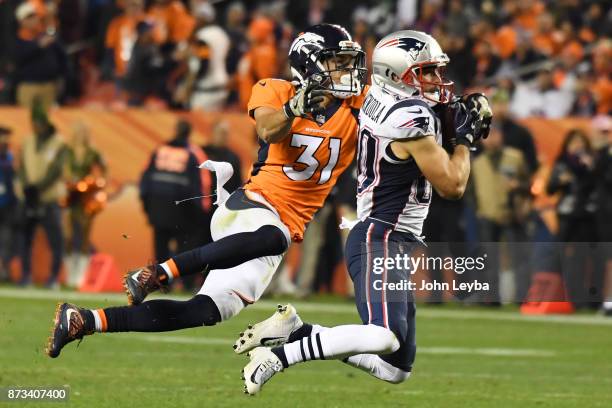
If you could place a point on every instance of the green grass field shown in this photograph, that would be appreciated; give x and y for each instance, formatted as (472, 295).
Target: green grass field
(467, 357)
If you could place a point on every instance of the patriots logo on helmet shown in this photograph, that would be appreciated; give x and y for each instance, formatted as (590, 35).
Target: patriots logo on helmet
(412, 45)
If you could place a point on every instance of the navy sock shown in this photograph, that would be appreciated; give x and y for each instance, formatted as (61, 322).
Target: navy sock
(300, 333)
(280, 353)
(232, 250)
(90, 322)
(163, 315)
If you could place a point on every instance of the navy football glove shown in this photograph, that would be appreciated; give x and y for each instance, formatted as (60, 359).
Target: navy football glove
(473, 117)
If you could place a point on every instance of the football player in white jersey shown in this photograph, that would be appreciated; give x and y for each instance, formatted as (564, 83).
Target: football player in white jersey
(400, 159)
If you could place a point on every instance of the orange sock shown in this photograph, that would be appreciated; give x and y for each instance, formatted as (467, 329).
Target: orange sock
(100, 319)
(171, 270)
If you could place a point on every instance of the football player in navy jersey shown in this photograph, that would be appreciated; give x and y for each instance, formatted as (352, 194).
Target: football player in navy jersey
(400, 159)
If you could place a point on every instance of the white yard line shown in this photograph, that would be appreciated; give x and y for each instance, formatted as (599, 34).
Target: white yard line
(481, 351)
(210, 341)
(314, 307)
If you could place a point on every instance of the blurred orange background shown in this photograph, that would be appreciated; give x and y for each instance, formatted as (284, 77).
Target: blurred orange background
(127, 138)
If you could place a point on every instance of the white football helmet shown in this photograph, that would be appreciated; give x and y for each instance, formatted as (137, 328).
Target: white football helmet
(398, 63)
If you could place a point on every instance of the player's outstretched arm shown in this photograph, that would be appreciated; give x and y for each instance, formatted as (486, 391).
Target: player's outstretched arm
(272, 125)
(447, 174)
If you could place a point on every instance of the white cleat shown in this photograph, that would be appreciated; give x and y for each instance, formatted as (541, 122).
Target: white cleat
(263, 365)
(274, 331)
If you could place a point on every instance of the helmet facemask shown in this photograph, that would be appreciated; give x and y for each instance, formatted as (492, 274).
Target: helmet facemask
(341, 71)
(438, 90)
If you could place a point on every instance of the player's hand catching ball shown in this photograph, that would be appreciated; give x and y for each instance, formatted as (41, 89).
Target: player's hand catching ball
(473, 117)
(307, 100)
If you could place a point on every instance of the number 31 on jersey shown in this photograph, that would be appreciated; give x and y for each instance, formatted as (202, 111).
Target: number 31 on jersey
(311, 145)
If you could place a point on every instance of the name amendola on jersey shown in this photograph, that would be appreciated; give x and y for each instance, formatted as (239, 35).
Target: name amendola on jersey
(389, 189)
(404, 119)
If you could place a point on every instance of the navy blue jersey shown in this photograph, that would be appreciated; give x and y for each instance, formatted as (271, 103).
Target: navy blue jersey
(392, 190)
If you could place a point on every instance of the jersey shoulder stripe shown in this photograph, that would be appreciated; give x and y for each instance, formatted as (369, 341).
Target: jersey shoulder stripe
(409, 119)
(407, 103)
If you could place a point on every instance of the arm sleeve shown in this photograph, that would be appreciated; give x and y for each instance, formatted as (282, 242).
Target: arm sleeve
(411, 122)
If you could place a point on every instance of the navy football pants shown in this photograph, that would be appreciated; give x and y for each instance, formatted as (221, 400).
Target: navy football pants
(393, 310)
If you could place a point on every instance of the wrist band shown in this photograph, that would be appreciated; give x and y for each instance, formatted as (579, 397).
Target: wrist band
(287, 110)
(464, 141)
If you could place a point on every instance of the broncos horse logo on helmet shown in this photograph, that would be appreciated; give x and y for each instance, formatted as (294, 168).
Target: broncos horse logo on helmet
(323, 50)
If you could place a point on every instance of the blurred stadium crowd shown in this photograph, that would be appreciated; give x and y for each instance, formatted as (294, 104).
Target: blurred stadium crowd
(207, 54)
(534, 58)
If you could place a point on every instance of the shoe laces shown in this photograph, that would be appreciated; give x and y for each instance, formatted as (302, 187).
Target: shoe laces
(75, 329)
(147, 278)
